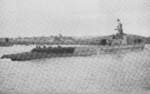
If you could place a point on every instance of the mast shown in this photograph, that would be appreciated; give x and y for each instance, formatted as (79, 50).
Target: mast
(119, 27)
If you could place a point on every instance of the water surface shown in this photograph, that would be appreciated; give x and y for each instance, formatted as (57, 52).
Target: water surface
(104, 74)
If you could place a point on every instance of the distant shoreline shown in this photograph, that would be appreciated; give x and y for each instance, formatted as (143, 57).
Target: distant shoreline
(54, 40)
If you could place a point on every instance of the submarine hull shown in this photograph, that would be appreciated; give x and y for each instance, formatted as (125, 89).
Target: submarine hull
(78, 51)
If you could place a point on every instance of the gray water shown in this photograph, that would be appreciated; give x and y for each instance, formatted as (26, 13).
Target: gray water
(126, 73)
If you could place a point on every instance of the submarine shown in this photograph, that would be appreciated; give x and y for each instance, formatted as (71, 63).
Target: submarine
(117, 43)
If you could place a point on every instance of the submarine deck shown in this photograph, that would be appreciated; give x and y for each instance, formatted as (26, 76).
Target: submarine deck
(78, 51)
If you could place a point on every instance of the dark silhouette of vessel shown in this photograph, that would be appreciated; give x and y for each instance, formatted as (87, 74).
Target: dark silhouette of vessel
(54, 50)
(119, 42)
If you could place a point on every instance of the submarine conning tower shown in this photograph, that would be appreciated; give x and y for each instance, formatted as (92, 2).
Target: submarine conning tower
(121, 38)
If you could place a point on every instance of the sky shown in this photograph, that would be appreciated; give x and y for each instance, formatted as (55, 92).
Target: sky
(27, 18)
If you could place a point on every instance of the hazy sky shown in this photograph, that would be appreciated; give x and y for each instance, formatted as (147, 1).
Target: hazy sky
(72, 17)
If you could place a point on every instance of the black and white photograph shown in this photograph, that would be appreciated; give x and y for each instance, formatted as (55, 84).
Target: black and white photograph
(74, 46)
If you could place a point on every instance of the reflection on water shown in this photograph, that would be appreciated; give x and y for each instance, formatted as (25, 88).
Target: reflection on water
(104, 74)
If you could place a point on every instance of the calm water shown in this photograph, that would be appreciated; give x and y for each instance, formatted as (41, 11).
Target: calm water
(105, 74)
